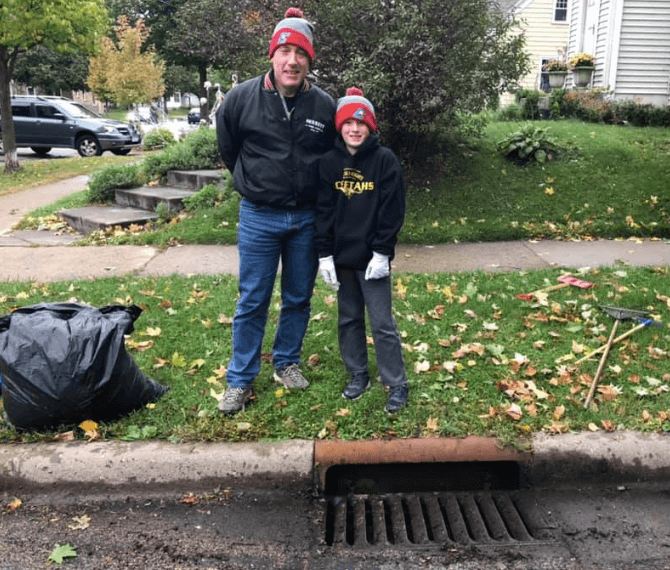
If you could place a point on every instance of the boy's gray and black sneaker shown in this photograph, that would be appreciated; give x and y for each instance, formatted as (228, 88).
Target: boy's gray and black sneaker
(358, 384)
(397, 398)
(235, 399)
(291, 377)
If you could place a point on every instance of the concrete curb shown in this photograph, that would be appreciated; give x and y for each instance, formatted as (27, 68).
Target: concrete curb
(551, 460)
(154, 464)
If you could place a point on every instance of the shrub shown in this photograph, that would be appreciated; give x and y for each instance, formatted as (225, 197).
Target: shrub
(529, 100)
(512, 112)
(210, 195)
(199, 150)
(158, 138)
(587, 105)
(103, 182)
(641, 115)
(528, 144)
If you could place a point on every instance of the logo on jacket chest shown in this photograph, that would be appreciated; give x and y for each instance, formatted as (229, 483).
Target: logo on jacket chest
(353, 182)
(314, 125)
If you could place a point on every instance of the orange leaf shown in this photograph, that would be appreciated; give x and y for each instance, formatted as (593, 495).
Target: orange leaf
(432, 424)
(608, 425)
(189, 499)
(14, 505)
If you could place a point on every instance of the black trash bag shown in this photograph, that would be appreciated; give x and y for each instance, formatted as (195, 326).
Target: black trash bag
(63, 363)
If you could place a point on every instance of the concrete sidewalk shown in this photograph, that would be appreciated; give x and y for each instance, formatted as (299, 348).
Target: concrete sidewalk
(43, 256)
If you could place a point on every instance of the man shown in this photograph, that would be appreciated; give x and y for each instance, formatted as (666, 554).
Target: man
(272, 131)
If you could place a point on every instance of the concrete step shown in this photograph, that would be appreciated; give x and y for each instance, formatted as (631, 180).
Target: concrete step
(193, 179)
(90, 218)
(138, 205)
(149, 197)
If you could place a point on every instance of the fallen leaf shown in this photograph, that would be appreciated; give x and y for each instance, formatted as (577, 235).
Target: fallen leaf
(559, 412)
(80, 523)
(421, 366)
(313, 360)
(66, 436)
(514, 412)
(343, 412)
(61, 552)
(189, 499)
(608, 425)
(432, 424)
(14, 505)
(609, 392)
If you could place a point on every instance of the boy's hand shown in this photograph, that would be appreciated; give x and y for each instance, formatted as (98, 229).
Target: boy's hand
(327, 270)
(378, 266)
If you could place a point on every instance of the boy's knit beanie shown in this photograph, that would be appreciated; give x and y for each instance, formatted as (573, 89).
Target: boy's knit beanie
(293, 30)
(354, 106)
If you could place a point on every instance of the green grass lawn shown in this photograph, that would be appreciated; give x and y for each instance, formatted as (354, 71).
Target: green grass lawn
(479, 360)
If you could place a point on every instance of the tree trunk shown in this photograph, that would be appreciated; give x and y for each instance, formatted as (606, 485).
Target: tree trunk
(7, 123)
(204, 109)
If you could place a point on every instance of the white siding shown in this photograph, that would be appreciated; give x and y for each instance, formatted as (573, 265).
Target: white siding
(643, 67)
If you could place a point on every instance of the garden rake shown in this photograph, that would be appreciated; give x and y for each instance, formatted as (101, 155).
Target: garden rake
(619, 314)
(563, 281)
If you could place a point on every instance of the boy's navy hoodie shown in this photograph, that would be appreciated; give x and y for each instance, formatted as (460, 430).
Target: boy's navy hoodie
(361, 203)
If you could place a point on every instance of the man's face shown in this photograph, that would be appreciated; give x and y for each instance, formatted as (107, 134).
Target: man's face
(290, 64)
(354, 134)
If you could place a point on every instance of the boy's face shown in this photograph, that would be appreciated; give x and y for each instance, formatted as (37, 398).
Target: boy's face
(354, 134)
(290, 64)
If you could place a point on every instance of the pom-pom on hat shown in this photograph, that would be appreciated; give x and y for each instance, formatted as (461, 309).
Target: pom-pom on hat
(293, 30)
(354, 106)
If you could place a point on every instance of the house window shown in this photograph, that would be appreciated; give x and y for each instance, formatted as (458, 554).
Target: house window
(560, 10)
(544, 78)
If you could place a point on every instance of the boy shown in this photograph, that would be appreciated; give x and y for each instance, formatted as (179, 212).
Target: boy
(360, 210)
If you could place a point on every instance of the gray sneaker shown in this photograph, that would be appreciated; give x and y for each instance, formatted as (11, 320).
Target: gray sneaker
(235, 399)
(291, 377)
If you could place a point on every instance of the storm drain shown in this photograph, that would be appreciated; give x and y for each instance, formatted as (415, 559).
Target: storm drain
(444, 519)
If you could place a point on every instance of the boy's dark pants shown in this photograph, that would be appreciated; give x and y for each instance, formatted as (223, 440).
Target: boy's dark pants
(353, 296)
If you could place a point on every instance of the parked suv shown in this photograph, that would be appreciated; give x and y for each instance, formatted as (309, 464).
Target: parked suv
(43, 123)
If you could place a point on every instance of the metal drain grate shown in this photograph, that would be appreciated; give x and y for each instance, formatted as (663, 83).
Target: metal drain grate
(438, 518)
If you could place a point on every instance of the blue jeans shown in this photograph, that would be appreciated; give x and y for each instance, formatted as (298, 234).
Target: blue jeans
(266, 235)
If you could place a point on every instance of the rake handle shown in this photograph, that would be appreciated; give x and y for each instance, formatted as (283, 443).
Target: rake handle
(615, 341)
(601, 365)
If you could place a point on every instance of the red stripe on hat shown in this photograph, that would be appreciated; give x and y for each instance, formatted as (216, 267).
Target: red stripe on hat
(289, 36)
(356, 111)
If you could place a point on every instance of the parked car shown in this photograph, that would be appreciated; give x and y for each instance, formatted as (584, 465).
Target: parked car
(43, 122)
(194, 116)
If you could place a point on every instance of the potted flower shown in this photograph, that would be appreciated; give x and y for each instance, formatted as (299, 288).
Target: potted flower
(582, 66)
(556, 70)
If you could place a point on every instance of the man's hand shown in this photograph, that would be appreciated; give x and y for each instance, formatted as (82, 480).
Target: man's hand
(378, 266)
(327, 270)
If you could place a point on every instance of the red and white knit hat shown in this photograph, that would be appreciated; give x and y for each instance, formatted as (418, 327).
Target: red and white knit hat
(293, 30)
(354, 106)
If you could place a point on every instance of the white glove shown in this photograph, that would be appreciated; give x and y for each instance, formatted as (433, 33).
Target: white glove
(327, 270)
(378, 266)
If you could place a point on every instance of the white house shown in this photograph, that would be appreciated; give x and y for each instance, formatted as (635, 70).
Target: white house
(631, 42)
